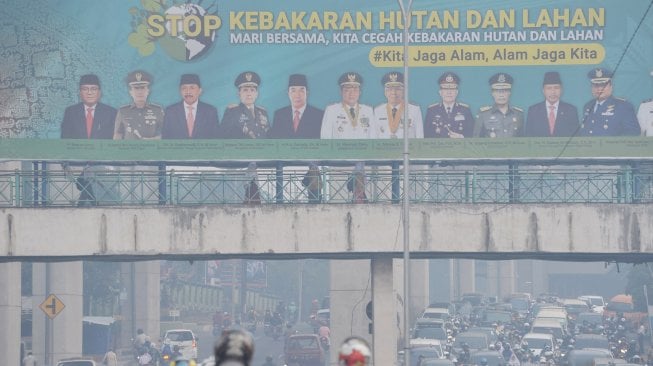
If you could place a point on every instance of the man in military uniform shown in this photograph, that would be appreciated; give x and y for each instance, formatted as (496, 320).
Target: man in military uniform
(139, 120)
(500, 119)
(449, 118)
(348, 119)
(606, 115)
(389, 117)
(645, 116)
(245, 120)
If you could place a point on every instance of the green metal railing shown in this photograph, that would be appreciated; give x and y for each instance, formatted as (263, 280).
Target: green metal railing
(147, 186)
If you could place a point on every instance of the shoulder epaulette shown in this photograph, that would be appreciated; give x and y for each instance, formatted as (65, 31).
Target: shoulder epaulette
(463, 105)
(434, 105)
(485, 108)
(232, 106)
(154, 105)
(621, 99)
(259, 107)
(648, 100)
(517, 108)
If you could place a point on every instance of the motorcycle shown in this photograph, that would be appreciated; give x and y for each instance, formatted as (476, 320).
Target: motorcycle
(276, 332)
(325, 343)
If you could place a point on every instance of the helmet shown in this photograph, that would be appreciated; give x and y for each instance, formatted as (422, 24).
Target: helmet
(354, 352)
(483, 361)
(236, 346)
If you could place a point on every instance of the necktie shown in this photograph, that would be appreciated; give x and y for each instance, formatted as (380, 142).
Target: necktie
(89, 122)
(190, 121)
(295, 121)
(552, 119)
(394, 112)
(596, 106)
(352, 111)
(448, 110)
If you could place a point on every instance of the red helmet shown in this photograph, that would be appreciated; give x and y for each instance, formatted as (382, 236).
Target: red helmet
(354, 352)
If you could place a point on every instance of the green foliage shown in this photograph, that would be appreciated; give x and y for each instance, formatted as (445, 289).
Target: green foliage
(640, 275)
(102, 283)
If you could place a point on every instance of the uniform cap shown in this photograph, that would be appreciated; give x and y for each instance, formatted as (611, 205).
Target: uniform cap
(393, 79)
(501, 81)
(350, 78)
(599, 75)
(247, 78)
(89, 79)
(449, 80)
(552, 78)
(190, 79)
(139, 77)
(297, 80)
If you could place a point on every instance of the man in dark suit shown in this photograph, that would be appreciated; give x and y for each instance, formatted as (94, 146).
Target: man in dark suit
(190, 118)
(89, 119)
(298, 120)
(552, 117)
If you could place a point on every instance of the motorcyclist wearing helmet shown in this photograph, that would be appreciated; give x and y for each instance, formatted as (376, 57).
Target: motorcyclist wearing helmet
(355, 351)
(235, 348)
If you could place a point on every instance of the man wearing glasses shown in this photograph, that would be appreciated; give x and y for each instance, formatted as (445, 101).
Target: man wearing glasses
(389, 117)
(500, 119)
(89, 119)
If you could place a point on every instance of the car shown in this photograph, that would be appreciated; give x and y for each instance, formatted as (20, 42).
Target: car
(538, 341)
(477, 341)
(76, 362)
(437, 362)
(433, 344)
(596, 303)
(585, 357)
(493, 358)
(185, 339)
(595, 341)
(426, 353)
(304, 350)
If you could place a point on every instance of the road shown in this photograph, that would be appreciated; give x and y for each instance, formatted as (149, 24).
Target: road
(263, 345)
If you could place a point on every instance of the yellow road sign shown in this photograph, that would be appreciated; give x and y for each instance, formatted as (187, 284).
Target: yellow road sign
(52, 306)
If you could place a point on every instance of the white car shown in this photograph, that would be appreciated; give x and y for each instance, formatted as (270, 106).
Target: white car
(185, 339)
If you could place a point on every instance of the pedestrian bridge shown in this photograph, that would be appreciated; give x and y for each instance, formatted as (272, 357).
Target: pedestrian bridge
(509, 211)
(544, 231)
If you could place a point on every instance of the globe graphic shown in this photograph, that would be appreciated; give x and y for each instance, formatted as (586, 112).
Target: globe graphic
(183, 47)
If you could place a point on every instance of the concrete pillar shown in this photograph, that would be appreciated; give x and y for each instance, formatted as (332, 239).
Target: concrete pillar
(140, 307)
(466, 274)
(492, 279)
(385, 333)
(61, 337)
(10, 307)
(507, 276)
(350, 292)
(147, 301)
(440, 280)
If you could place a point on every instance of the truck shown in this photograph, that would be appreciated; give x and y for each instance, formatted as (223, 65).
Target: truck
(623, 304)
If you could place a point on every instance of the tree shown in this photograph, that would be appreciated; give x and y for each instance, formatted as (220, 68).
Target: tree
(640, 275)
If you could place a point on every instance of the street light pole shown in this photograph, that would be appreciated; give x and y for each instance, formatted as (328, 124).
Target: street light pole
(405, 10)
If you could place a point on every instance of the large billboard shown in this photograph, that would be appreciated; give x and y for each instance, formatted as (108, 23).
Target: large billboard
(477, 70)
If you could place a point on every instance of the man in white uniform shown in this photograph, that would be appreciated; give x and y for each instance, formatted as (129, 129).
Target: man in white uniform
(645, 116)
(389, 117)
(348, 119)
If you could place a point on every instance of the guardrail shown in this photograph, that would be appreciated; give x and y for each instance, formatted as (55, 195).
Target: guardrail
(107, 185)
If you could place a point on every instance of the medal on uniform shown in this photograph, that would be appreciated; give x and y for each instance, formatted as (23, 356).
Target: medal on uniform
(393, 121)
(353, 120)
(605, 126)
(437, 130)
(493, 134)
